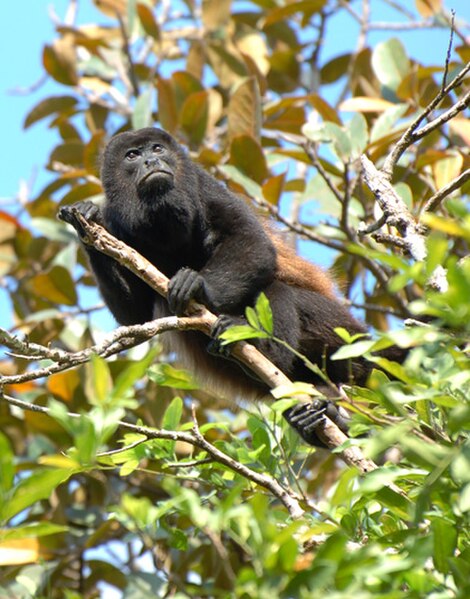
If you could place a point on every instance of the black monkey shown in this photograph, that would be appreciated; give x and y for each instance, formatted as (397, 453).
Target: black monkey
(214, 250)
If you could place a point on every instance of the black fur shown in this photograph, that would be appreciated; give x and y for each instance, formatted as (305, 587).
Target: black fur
(213, 249)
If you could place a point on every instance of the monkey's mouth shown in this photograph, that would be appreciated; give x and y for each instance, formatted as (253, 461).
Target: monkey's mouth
(155, 175)
(155, 184)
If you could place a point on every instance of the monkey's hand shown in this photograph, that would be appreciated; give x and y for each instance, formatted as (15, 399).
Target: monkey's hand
(186, 285)
(305, 418)
(87, 209)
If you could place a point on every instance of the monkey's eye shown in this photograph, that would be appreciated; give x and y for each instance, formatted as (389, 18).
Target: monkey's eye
(132, 154)
(158, 148)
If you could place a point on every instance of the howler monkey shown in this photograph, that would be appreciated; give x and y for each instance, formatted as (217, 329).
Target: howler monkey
(214, 250)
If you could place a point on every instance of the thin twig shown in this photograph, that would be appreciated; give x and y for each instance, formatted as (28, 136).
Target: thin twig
(411, 134)
(440, 195)
(286, 496)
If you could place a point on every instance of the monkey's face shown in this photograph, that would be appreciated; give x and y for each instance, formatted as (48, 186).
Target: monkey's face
(142, 162)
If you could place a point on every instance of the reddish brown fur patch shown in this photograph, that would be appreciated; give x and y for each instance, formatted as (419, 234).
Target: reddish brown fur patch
(297, 272)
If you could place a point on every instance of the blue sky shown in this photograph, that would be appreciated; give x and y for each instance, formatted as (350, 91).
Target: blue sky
(26, 26)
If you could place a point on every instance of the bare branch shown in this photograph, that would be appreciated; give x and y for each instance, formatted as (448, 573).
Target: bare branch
(395, 210)
(440, 195)
(411, 134)
(285, 495)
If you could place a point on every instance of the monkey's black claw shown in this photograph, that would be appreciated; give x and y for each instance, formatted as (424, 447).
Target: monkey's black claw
(305, 418)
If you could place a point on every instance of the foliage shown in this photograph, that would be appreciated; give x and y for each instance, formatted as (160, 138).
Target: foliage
(86, 504)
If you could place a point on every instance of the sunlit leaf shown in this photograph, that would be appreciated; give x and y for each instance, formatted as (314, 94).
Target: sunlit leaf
(244, 110)
(365, 104)
(247, 155)
(167, 110)
(55, 285)
(173, 413)
(60, 61)
(51, 105)
(308, 7)
(215, 13)
(194, 117)
(36, 486)
(63, 384)
(147, 19)
(390, 63)
(448, 169)
(167, 376)
(428, 8)
(142, 113)
(273, 188)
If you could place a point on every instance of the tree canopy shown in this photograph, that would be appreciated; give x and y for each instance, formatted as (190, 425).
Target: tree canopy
(118, 473)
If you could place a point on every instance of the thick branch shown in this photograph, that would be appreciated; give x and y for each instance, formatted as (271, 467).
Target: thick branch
(395, 210)
(103, 241)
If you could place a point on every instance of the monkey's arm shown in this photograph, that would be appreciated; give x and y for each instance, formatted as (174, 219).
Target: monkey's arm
(130, 300)
(241, 261)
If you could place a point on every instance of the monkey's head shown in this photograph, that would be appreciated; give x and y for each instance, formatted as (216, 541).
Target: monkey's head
(142, 163)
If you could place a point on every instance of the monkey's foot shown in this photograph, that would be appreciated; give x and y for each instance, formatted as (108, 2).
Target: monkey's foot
(306, 417)
(215, 346)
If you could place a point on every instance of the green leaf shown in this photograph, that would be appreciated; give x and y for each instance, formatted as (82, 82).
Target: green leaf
(173, 413)
(35, 529)
(148, 21)
(265, 314)
(7, 468)
(194, 117)
(444, 543)
(142, 113)
(56, 285)
(99, 384)
(39, 485)
(247, 155)
(241, 333)
(384, 123)
(168, 376)
(125, 382)
(252, 318)
(390, 63)
(359, 134)
(252, 188)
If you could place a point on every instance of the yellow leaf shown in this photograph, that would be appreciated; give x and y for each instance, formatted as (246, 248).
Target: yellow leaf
(111, 7)
(461, 127)
(59, 461)
(19, 551)
(446, 170)
(254, 46)
(215, 13)
(95, 84)
(59, 60)
(244, 110)
(428, 8)
(63, 384)
(365, 104)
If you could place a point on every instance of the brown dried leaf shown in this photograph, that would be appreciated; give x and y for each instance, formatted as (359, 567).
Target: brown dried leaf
(244, 110)
(60, 61)
(248, 156)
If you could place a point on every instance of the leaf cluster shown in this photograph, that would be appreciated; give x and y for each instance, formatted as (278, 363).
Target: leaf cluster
(85, 504)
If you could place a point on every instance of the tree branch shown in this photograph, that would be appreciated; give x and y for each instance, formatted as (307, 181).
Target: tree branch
(285, 495)
(245, 353)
